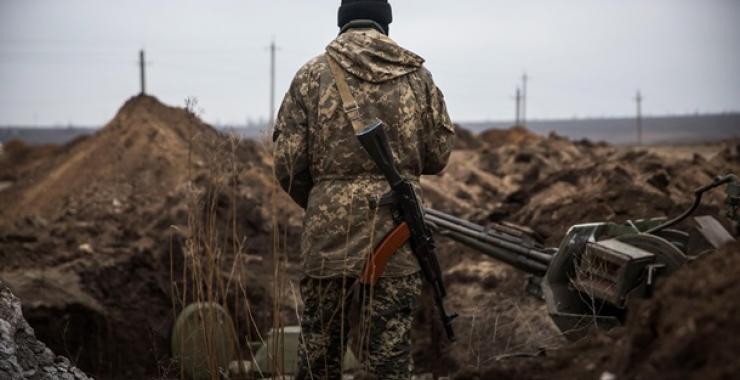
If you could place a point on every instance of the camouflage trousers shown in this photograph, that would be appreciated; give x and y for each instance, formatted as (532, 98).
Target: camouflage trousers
(378, 320)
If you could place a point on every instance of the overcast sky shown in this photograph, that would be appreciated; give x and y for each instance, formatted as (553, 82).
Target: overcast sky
(74, 61)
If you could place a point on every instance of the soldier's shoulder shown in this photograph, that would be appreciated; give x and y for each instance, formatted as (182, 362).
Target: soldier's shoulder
(423, 79)
(424, 76)
(311, 68)
(423, 71)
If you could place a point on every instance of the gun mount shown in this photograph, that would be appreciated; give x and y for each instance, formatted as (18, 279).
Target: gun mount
(587, 280)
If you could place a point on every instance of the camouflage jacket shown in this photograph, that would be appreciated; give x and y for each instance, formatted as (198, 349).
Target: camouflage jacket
(320, 163)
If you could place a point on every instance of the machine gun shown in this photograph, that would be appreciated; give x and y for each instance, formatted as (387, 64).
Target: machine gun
(588, 279)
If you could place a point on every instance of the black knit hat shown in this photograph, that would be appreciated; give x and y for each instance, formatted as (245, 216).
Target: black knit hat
(375, 10)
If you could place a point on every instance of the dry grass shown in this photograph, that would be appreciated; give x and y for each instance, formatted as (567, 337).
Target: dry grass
(214, 253)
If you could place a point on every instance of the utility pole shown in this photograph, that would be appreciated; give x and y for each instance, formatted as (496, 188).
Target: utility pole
(518, 98)
(524, 99)
(638, 100)
(142, 71)
(273, 48)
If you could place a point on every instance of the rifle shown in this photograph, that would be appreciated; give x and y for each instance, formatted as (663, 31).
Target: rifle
(408, 214)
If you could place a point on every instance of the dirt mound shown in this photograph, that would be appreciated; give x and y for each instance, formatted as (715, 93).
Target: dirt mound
(691, 329)
(497, 317)
(551, 183)
(147, 149)
(688, 330)
(22, 356)
(106, 235)
(631, 185)
(465, 139)
(730, 154)
(513, 136)
(548, 184)
(488, 179)
(15, 153)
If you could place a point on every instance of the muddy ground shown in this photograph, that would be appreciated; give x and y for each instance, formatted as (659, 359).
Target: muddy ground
(688, 331)
(107, 237)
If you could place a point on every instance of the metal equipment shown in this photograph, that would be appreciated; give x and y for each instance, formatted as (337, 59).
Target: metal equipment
(588, 279)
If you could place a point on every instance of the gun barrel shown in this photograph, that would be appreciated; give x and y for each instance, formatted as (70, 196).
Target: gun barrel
(509, 249)
(496, 236)
(500, 232)
(520, 262)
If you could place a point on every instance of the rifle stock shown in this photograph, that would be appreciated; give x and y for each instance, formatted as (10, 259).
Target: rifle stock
(376, 263)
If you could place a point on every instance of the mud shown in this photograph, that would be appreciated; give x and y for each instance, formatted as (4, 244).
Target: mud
(687, 331)
(96, 233)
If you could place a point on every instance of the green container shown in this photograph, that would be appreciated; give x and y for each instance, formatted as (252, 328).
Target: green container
(286, 345)
(204, 341)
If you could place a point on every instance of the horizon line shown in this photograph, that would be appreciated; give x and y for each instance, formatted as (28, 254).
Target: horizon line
(259, 125)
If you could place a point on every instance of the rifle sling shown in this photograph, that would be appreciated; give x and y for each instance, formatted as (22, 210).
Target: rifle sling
(351, 108)
(395, 239)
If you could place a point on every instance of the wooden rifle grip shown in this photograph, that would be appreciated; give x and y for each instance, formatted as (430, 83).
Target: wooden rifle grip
(376, 263)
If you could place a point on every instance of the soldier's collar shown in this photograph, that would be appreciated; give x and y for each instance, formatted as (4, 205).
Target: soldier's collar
(362, 24)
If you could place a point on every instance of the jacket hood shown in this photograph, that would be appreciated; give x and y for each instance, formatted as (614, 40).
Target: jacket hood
(372, 56)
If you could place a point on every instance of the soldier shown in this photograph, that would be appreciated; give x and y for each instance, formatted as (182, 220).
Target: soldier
(319, 162)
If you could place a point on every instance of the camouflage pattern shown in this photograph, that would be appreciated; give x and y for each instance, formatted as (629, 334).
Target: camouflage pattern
(320, 163)
(381, 339)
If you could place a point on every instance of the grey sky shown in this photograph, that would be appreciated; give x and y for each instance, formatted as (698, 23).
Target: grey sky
(75, 60)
